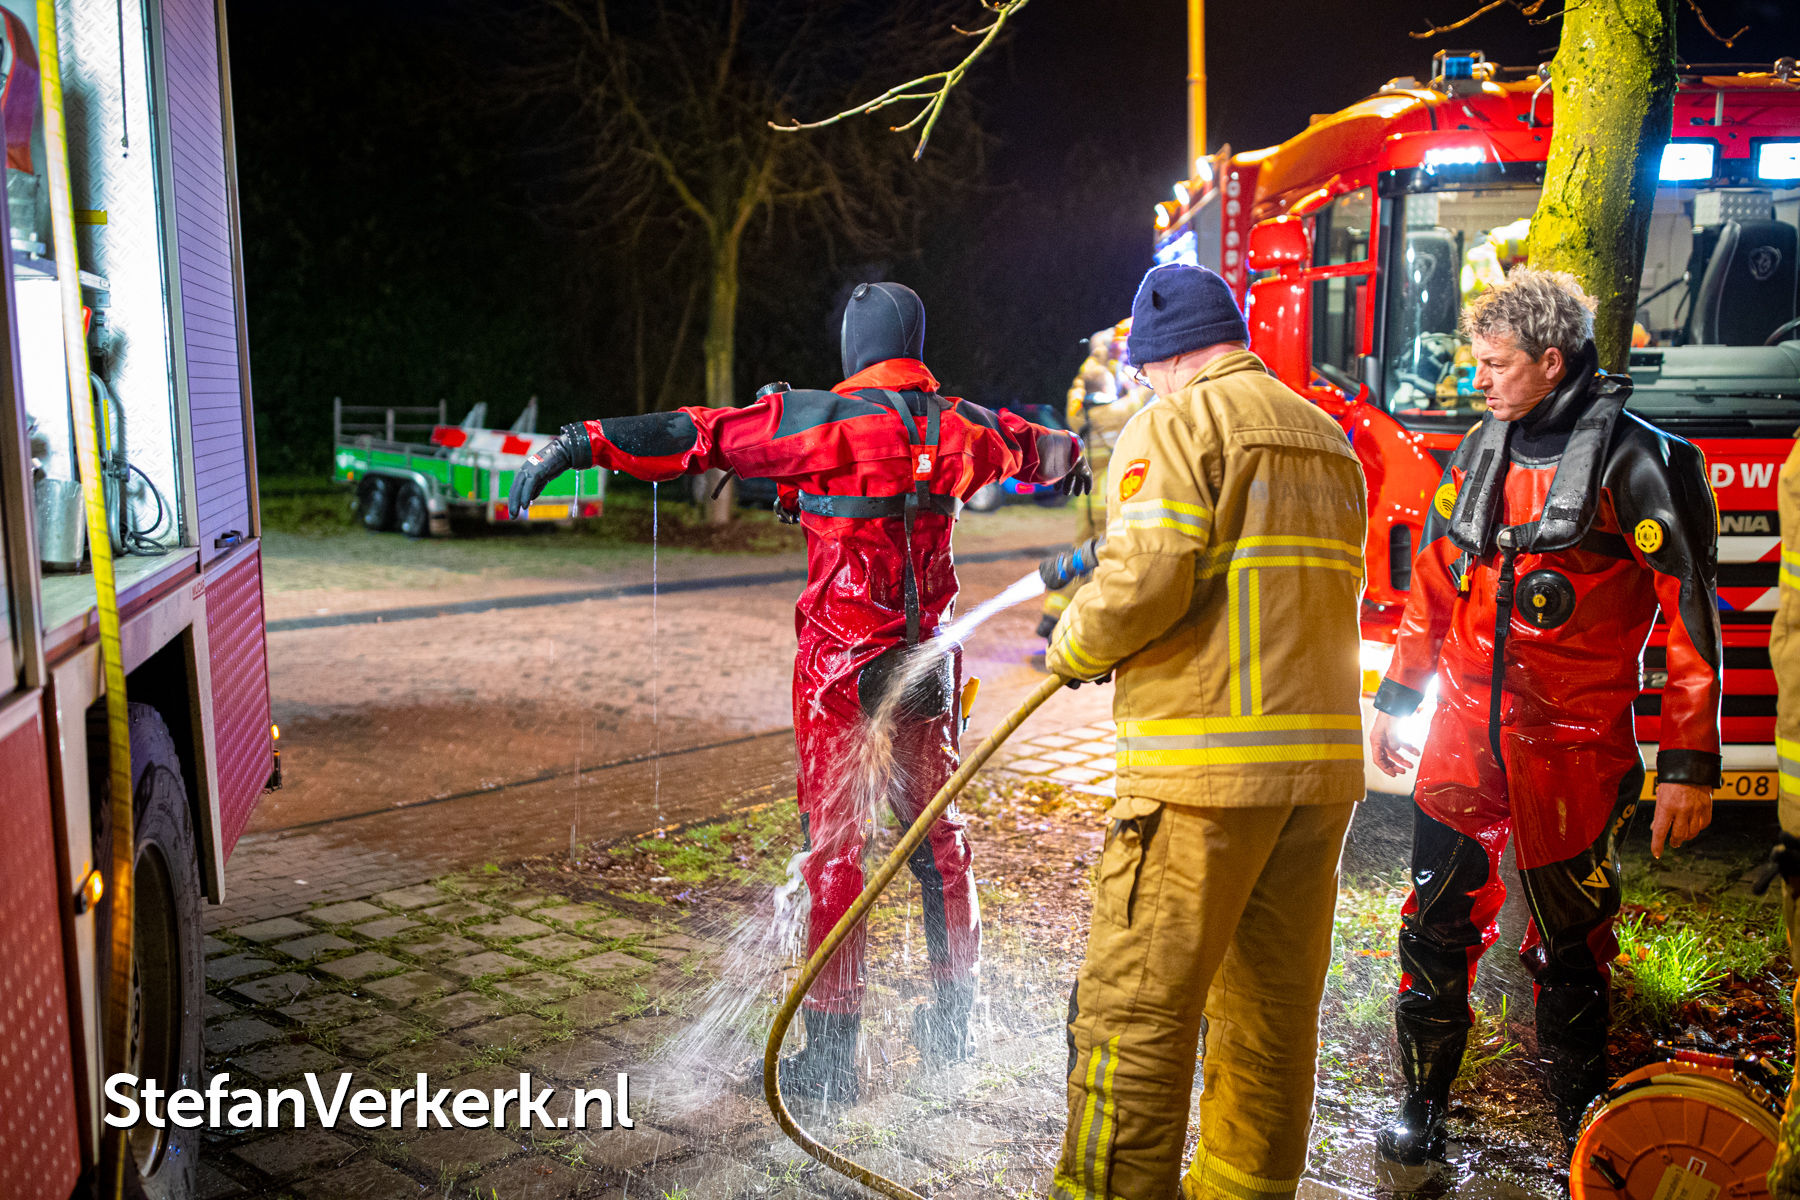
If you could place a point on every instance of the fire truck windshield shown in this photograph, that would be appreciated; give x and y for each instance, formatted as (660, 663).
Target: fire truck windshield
(1716, 334)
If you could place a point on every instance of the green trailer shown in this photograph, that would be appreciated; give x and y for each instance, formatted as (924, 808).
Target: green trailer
(413, 471)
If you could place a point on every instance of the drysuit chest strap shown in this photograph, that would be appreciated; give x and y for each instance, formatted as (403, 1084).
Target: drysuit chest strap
(924, 453)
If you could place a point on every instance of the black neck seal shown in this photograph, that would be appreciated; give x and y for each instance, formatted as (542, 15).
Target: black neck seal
(882, 321)
(1586, 405)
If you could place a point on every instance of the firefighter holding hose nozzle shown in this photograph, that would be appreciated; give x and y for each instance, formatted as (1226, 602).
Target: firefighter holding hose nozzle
(877, 469)
(1100, 402)
(1562, 524)
(1224, 601)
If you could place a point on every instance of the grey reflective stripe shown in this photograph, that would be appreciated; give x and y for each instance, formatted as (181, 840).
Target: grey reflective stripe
(1265, 737)
(870, 507)
(1294, 550)
(1788, 766)
(1245, 656)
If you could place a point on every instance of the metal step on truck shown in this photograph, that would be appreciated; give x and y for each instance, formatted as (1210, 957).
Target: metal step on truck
(416, 474)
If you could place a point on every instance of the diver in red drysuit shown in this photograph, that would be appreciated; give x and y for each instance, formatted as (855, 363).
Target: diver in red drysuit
(876, 470)
(1565, 529)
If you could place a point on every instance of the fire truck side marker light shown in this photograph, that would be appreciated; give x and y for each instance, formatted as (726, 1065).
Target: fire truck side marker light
(93, 886)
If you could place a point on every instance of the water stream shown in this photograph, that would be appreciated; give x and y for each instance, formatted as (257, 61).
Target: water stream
(729, 1019)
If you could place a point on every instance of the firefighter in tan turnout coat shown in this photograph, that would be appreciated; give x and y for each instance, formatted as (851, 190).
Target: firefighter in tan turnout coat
(1784, 655)
(1225, 605)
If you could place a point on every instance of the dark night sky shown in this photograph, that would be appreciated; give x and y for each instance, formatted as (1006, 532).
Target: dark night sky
(397, 249)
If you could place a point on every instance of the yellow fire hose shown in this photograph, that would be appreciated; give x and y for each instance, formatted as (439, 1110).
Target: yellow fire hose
(117, 988)
(816, 964)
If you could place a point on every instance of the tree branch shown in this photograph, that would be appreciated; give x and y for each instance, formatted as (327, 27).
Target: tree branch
(1529, 9)
(937, 85)
(1694, 6)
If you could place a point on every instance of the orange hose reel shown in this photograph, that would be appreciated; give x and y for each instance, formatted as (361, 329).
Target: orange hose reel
(1694, 1127)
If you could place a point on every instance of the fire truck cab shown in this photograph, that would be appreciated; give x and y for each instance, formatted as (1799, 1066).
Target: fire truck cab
(121, 311)
(1356, 243)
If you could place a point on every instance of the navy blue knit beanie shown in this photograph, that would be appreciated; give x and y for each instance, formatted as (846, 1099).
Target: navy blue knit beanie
(1181, 308)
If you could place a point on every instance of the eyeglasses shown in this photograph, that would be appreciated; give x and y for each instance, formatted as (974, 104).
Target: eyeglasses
(1138, 377)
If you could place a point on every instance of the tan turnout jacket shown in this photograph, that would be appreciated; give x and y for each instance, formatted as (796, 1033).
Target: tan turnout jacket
(1226, 598)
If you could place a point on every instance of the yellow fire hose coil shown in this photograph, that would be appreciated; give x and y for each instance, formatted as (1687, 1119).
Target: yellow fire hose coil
(815, 965)
(93, 495)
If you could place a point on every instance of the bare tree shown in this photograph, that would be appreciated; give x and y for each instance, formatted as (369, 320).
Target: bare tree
(667, 108)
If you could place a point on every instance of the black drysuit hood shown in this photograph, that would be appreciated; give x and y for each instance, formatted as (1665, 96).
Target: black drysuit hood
(882, 321)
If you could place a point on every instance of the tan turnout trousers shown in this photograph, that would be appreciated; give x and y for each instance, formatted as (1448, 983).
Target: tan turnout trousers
(1225, 911)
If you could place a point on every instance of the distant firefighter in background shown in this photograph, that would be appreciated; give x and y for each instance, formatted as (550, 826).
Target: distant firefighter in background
(1103, 397)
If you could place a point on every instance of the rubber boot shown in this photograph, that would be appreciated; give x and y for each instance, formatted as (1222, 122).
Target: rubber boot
(824, 1072)
(941, 1028)
(1417, 1133)
(1571, 1029)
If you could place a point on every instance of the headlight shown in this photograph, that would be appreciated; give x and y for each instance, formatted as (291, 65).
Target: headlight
(1778, 161)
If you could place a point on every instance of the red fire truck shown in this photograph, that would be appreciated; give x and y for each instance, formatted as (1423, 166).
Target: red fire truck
(122, 353)
(1356, 243)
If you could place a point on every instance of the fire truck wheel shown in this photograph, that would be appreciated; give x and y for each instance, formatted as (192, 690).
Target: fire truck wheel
(411, 513)
(168, 985)
(375, 508)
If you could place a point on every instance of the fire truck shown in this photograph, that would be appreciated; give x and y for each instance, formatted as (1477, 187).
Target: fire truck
(130, 567)
(1356, 243)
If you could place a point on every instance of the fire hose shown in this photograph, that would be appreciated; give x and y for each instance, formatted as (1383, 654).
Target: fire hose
(815, 965)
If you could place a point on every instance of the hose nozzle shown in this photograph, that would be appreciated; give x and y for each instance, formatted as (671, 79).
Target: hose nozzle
(1065, 567)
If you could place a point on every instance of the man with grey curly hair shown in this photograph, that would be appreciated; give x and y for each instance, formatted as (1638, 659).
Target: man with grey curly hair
(1560, 528)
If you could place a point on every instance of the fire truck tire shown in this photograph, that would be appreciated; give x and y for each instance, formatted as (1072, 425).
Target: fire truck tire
(168, 981)
(375, 503)
(411, 513)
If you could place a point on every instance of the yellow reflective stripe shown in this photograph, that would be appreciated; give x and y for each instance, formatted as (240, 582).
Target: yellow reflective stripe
(1079, 658)
(1224, 756)
(1180, 506)
(1100, 1151)
(1234, 618)
(1312, 543)
(1295, 560)
(1266, 722)
(1211, 1175)
(1787, 762)
(1191, 519)
(1093, 1142)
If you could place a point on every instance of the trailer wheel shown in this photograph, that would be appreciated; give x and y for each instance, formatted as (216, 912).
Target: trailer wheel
(411, 513)
(376, 509)
(167, 983)
(986, 498)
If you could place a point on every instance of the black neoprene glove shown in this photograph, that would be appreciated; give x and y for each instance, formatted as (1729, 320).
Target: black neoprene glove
(1079, 481)
(571, 450)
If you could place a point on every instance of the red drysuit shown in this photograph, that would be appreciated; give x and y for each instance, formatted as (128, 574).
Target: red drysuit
(1569, 532)
(858, 466)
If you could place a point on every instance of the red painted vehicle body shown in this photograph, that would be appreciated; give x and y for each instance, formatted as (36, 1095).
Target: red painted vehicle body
(1354, 243)
(161, 288)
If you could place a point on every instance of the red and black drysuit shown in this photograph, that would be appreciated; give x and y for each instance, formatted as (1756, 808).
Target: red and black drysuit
(879, 467)
(1559, 536)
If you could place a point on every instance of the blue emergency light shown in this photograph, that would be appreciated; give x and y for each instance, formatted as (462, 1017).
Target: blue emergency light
(1458, 66)
(1778, 161)
(1688, 161)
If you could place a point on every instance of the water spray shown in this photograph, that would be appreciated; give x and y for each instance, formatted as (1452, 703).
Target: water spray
(815, 965)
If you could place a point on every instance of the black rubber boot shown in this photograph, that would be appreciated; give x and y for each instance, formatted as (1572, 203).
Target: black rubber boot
(941, 1028)
(1417, 1133)
(824, 1073)
(1571, 1029)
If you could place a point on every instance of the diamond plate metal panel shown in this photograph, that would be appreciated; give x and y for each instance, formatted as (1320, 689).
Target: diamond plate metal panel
(240, 684)
(39, 1156)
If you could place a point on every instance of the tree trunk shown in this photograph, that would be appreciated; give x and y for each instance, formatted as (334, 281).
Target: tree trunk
(1615, 80)
(719, 349)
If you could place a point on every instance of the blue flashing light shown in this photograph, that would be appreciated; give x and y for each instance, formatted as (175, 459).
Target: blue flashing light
(1778, 161)
(1459, 66)
(1184, 249)
(1688, 162)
